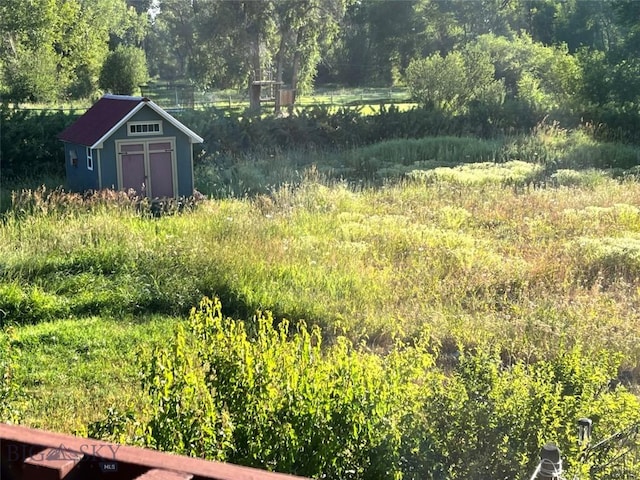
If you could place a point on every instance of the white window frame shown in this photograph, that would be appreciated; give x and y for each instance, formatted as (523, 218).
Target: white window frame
(138, 128)
(89, 159)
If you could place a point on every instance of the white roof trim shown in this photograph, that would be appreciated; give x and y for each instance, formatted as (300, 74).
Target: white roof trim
(121, 97)
(194, 138)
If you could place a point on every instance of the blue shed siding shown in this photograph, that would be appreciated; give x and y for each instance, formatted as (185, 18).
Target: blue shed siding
(108, 165)
(79, 177)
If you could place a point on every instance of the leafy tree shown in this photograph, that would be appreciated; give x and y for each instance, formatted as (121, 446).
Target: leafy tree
(227, 44)
(58, 52)
(124, 70)
(453, 82)
(587, 24)
(171, 43)
(545, 78)
(31, 75)
(29, 71)
(437, 82)
(215, 43)
(305, 29)
(376, 44)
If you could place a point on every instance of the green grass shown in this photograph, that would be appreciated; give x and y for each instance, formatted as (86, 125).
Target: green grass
(70, 369)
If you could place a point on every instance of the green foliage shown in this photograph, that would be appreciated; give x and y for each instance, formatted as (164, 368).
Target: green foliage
(508, 173)
(219, 43)
(58, 52)
(32, 305)
(549, 155)
(574, 178)
(232, 138)
(475, 254)
(577, 149)
(124, 70)
(394, 158)
(609, 260)
(454, 82)
(438, 82)
(32, 76)
(272, 397)
(29, 142)
(545, 79)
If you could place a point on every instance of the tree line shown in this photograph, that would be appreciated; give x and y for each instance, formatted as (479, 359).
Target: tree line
(67, 49)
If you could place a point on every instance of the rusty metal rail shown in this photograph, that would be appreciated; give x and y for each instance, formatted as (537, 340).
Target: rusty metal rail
(29, 454)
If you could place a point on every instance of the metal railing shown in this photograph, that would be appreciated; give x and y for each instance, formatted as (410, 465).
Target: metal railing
(616, 456)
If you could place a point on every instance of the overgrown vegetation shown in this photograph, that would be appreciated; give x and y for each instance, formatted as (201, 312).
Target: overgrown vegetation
(321, 134)
(548, 155)
(449, 286)
(483, 293)
(254, 394)
(450, 246)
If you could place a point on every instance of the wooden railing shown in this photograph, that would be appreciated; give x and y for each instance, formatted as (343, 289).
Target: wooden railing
(28, 454)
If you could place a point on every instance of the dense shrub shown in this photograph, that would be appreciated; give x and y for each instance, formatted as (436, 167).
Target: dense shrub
(273, 397)
(30, 144)
(325, 128)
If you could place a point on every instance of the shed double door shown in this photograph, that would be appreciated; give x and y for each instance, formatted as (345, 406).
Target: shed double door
(148, 167)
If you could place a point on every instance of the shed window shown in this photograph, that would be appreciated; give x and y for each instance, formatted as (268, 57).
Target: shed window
(73, 158)
(89, 159)
(144, 128)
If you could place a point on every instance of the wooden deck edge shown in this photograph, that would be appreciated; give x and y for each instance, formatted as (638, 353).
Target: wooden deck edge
(19, 443)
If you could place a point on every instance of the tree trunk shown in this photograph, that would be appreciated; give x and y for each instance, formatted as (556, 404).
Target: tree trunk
(296, 68)
(256, 74)
(279, 71)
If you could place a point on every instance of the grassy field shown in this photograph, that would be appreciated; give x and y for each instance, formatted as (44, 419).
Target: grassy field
(177, 96)
(472, 255)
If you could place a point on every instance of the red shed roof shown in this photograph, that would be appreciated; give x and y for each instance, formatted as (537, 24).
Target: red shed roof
(110, 113)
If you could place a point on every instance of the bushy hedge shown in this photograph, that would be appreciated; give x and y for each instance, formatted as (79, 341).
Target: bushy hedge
(30, 145)
(274, 397)
(327, 128)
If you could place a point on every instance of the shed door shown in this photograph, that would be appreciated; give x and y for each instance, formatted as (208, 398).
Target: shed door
(133, 168)
(148, 166)
(161, 169)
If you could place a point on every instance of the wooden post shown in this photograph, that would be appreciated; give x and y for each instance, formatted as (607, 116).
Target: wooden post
(254, 96)
(550, 463)
(276, 94)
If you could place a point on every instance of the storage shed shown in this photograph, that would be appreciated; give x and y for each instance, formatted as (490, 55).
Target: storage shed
(125, 142)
